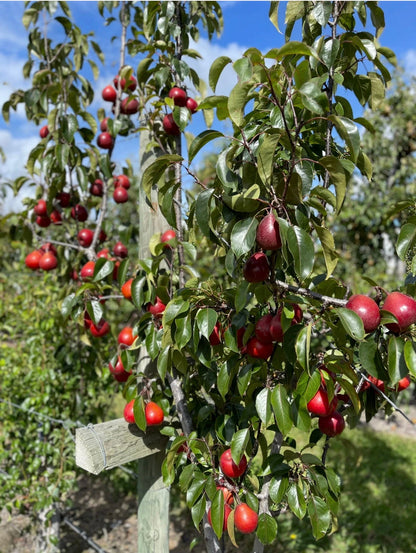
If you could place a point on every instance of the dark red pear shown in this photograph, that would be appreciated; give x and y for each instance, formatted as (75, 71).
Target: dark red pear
(268, 235)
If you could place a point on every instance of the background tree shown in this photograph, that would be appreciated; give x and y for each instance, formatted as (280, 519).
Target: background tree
(369, 225)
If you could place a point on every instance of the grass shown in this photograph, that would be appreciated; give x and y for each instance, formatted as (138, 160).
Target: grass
(378, 507)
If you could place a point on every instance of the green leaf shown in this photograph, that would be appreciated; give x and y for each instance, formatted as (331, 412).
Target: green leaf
(273, 14)
(319, 515)
(95, 311)
(245, 202)
(198, 511)
(278, 488)
(203, 212)
(164, 361)
(303, 345)
(243, 236)
(138, 412)
(352, 323)
(330, 51)
(410, 356)
(175, 307)
(406, 240)
(348, 131)
(293, 48)
(296, 500)
(239, 443)
(137, 292)
(103, 268)
(195, 489)
(217, 513)
(239, 96)
(265, 157)
(369, 357)
(216, 70)
(266, 529)
(337, 178)
(200, 141)
(183, 330)
(397, 367)
(328, 248)
(263, 407)
(154, 172)
(244, 69)
(281, 409)
(301, 247)
(206, 319)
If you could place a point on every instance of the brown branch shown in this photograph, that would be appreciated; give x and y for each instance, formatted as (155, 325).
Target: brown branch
(305, 292)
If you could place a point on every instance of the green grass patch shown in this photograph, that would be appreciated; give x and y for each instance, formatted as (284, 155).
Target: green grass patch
(378, 506)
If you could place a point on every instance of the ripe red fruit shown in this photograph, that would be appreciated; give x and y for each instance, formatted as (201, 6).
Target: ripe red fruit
(41, 208)
(319, 404)
(44, 131)
(116, 268)
(64, 198)
(102, 237)
(120, 250)
(179, 96)
(245, 519)
(256, 348)
(43, 221)
(104, 125)
(268, 235)
(257, 268)
(48, 261)
(79, 213)
(227, 511)
(263, 329)
(403, 308)
(120, 195)
(118, 371)
(129, 107)
(126, 336)
(131, 83)
(109, 94)
(126, 289)
(128, 412)
(332, 425)
(215, 336)
(377, 382)
(157, 308)
(87, 270)
(56, 217)
(367, 309)
(168, 235)
(32, 260)
(48, 247)
(97, 188)
(153, 413)
(122, 180)
(191, 104)
(100, 329)
(229, 467)
(105, 252)
(105, 141)
(403, 383)
(85, 236)
(276, 329)
(169, 125)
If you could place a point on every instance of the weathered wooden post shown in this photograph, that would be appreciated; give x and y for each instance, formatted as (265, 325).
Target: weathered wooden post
(153, 496)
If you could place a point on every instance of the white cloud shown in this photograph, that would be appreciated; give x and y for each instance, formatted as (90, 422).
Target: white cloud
(211, 52)
(410, 62)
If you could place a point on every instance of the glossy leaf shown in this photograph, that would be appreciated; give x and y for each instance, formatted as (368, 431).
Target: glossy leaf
(281, 409)
(239, 444)
(319, 515)
(206, 319)
(397, 367)
(266, 529)
(201, 140)
(301, 247)
(337, 178)
(296, 500)
(410, 356)
(263, 407)
(352, 323)
(243, 236)
(216, 69)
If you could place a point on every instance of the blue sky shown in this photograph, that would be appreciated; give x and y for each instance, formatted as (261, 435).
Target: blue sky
(246, 24)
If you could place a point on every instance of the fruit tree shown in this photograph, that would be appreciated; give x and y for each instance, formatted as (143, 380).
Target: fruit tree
(258, 363)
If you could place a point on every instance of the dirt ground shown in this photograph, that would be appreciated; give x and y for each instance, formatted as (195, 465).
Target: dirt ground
(110, 519)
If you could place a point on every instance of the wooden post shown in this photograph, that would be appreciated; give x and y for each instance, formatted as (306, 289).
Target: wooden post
(153, 496)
